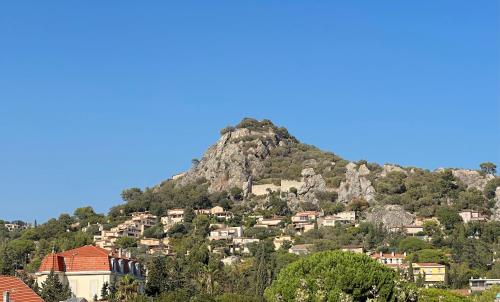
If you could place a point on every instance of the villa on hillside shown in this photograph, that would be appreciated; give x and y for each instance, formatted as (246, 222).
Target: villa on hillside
(471, 215)
(87, 268)
(433, 273)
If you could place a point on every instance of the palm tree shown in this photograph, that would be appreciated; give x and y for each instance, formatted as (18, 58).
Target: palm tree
(128, 288)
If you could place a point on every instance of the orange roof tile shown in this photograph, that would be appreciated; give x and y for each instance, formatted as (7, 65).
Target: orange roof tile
(85, 258)
(19, 292)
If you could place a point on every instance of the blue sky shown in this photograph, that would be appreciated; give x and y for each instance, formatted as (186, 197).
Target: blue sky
(98, 96)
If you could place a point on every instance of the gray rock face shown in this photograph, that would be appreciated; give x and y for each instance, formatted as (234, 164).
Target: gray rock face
(496, 210)
(312, 183)
(391, 168)
(472, 178)
(356, 184)
(390, 216)
(237, 156)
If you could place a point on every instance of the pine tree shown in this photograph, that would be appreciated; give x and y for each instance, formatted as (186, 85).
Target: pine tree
(105, 291)
(53, 290)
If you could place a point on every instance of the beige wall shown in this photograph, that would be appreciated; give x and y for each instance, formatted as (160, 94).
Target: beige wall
(86, 284)
(262, 189)
(287, 184)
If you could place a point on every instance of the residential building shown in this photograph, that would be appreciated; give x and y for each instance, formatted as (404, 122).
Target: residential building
(301, 228)
(221, 214)
(133, 228)
(280, 240)
(393, 260)
(173, 216)
(353, 248)
(16, 226)
(471, 215)
(268, 222)
(143, 220)
(306, 216)
(226, 233)
(301, 249)
(240, 245)
(339, 218)
(432, 273)
(157, 246)
(13, 289)
(480, 284)
(86, 268)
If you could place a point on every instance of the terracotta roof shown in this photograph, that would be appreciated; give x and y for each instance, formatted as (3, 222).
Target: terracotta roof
(19, 292)
(52, 262)
(85, 258)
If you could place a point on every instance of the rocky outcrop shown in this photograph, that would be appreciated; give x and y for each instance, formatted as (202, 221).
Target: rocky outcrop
(312, 183)
(356, 185)
(236, 157)
(391, 168)
(472, 178)
(390, 215)
(496, 209)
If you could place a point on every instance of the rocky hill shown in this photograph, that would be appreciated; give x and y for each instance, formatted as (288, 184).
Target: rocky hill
(258, 157)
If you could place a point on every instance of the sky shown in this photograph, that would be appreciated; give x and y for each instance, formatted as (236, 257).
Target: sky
(99, 96)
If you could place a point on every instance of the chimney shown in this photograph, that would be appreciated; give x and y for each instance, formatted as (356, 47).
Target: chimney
(381, 254)
(6, 296)
(404, 254)
(119, 252)
(392, 253)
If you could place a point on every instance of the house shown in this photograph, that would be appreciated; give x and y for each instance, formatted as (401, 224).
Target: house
(353, 249)
(85, 269)
(432, 273)
(301, 249)
(301, 228)
(221, 214)
(13, 289)
(306, 216)
(157, 246)
(280, 240)
(133, 228)
(268, 222)
(143, 220)
(240, 244)
(471, 215)
(480, 284)
(173, 216)
(342, 218)
(226, 233)
(16, 226)
(392, 260)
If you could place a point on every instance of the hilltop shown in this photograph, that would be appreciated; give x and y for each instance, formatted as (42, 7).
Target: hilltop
(255, 157)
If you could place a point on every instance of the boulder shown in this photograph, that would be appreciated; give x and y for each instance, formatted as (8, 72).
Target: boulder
(391, 168)
(311, 183)
(356, 185)
(390, 215)
(472, 178)
(496, 209)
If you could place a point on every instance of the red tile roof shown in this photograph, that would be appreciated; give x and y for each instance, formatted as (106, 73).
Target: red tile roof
(19, 292)
(52, 262)
(85, 258)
